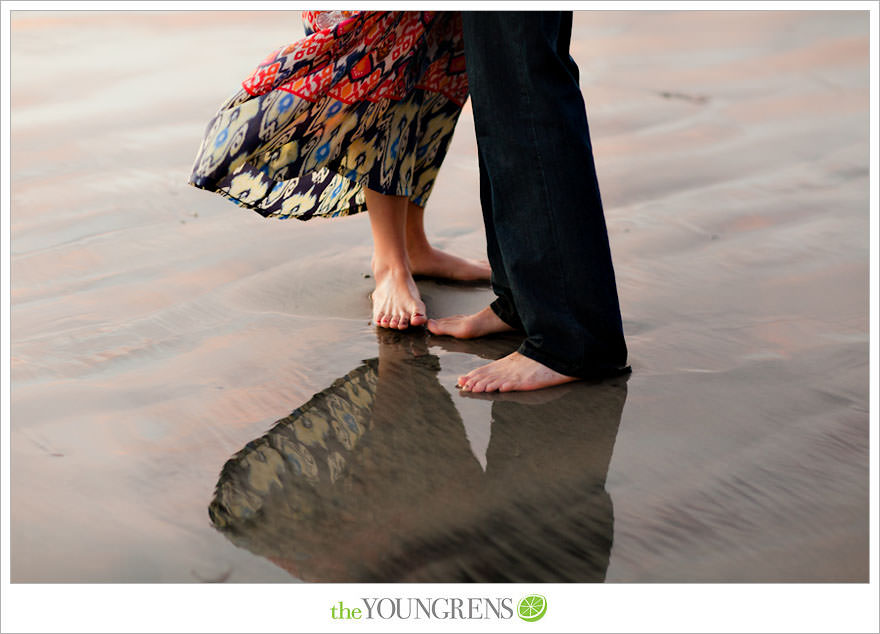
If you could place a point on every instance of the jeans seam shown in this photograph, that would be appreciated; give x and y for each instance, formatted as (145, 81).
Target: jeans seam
(546, 196)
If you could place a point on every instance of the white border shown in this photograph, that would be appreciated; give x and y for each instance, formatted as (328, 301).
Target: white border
(5, 288)
(276, 5)
(305, 607)
(571, 608)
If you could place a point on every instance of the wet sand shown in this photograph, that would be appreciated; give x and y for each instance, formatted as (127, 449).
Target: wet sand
(159, 332)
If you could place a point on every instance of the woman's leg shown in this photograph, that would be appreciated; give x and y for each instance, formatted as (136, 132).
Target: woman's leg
(396, 300)
(426, 260)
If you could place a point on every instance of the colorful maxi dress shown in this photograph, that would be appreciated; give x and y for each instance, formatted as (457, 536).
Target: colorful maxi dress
(369, 101)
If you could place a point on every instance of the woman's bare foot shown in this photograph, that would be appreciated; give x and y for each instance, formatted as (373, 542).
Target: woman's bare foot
(426, 260)
(480, 324)
(513, 373)
(432, 262)
(396, 300)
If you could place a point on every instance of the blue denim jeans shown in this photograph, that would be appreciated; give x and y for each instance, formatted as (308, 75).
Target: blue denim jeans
(545, 228)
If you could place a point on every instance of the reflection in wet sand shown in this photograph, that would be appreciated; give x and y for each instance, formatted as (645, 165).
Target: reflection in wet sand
(154, 330)
(374, 480)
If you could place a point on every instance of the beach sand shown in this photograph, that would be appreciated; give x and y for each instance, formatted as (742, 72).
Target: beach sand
(156, 330)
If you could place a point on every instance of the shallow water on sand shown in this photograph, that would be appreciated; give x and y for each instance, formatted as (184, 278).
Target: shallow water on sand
(162, 337)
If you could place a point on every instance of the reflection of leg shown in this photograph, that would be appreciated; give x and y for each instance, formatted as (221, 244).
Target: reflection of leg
(541, 513)
(546, 210)
(423, 436)
(570, 437)
(350, 486)
(426, 260)
(396, 300)
(417, 477)
(552, 458)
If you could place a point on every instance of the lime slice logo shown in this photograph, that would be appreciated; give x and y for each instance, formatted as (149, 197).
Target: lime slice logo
(532, 607)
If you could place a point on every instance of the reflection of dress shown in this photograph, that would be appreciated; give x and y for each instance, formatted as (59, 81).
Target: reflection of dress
(371, 101)
(374, 480)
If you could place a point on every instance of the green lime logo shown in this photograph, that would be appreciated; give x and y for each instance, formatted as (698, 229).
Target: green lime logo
(532, 608)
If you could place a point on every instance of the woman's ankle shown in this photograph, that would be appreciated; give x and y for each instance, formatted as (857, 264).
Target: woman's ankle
(396, 267)
(418, 250)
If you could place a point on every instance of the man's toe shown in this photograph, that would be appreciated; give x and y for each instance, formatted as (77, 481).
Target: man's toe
(493, 385)
(480, 386)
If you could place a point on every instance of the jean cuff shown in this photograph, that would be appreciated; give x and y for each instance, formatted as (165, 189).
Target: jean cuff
(593, 372)
(506, 313)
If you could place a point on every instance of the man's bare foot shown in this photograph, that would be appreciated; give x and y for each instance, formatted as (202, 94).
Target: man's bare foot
(432, 262)
(396, 300)
(513, 373)
(480, 324)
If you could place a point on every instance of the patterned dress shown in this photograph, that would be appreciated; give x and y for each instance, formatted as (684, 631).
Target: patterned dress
(366, 99)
